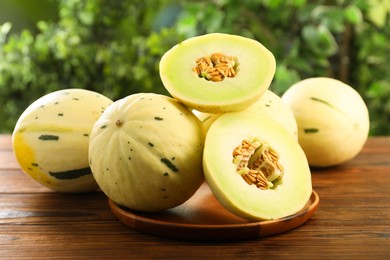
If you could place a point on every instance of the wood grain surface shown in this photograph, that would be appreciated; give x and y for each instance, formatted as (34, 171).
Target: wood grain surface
(352, 221)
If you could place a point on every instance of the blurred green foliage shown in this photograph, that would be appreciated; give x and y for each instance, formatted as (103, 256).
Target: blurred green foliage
(114, 47)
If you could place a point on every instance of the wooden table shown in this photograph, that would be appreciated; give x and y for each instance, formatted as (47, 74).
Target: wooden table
(352, 221)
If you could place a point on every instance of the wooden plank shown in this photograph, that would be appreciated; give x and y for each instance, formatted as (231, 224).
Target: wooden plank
(15, 181)
(8, 160)
(5, 141)
(352, 221)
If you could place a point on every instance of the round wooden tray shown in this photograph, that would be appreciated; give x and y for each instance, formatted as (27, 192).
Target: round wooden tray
(202, 217)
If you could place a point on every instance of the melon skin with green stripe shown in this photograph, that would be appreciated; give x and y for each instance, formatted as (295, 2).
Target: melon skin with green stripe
(246, 69)
(333, 120)
(51, 139)
(146, 152)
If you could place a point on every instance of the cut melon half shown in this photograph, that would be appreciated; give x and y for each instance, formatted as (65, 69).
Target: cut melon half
(237, 146)
(217, 72)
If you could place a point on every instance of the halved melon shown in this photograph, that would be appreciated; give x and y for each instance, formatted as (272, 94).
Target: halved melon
(256, 168)
(217, 72)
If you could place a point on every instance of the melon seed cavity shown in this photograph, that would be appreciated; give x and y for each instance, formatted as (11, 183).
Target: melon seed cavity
(257, 163)
(216, 67)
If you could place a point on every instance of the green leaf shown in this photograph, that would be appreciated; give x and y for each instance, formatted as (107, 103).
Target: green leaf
(4, 30)
(273, 4)
(353, 14)
(332, 17)
(299, 3)
(379, 10)
(319, 40)
(284, 79)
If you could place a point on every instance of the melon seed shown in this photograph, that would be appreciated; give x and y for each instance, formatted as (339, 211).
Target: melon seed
(257, 163)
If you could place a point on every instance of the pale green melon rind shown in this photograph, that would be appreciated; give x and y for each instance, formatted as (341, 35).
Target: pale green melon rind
(232, 191)
(68, 115)
(333, 120)
(269, 104)
(151, 162)
(256, 71)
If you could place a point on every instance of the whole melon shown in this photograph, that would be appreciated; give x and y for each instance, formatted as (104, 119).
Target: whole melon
(51, 139)
(269, 104)
(332, 117)
(146, 152)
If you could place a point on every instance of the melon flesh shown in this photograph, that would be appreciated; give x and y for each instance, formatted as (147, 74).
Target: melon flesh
(286, 197)
(256, 71)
